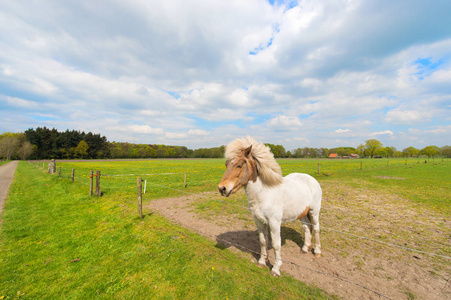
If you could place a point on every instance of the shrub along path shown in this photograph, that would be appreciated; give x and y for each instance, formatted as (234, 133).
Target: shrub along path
(6, 177)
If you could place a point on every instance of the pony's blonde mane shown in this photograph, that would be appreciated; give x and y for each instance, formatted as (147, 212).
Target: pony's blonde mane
(268, 169)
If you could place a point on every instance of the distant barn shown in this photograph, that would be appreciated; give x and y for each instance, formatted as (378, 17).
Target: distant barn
(352, 155)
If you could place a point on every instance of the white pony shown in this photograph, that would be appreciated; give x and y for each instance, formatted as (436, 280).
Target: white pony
(272, 199)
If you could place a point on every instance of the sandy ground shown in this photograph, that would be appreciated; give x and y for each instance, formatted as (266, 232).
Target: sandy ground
(350, 267)
(6, 178)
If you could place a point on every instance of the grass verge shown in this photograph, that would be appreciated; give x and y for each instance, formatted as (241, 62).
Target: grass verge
(2, 162)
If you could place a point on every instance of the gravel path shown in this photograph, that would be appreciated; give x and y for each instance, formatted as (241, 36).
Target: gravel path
(6, 177)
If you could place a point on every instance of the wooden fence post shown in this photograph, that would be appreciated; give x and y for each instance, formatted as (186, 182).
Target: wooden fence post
(90, 183)
(73, 175)
(140, 199)
(59, 172)
(184, 181)
(53, 166)
(98, 191)
(318, 168)
(360, 165)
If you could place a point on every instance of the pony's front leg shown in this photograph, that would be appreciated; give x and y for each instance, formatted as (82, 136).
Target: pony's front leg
(263, 237)
(277, 245)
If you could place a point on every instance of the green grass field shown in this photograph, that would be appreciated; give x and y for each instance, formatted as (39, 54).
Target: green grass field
(57, 242)
(425, 183)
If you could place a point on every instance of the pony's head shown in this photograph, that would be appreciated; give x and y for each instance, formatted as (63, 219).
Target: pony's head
(246, 160)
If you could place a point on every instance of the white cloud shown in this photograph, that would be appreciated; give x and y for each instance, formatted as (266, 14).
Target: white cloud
(145, 129)
(197, 132)
(24, 104)
(440, 130)
(389, 132)
(151, 113)
(175, 135)
(42, 86)
(284, 123)
(6, 70)
(397, 116)
(201, 72)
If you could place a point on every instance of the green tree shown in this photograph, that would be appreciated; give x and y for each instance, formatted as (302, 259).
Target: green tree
(151, 152)
(25, 150)
(297, 153)
(382, 152)
(361, 150)
(278, 150)
(9, 147)
(372, 146)
(430, 151)
(54, 144)
(446, 151)
(390, 151)
(410, 152)
(81, 150)
(115, 150)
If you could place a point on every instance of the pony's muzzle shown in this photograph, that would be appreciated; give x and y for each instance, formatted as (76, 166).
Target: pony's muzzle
(223, 190)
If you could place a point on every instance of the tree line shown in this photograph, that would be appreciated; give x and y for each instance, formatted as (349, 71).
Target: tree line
(372, 148)
(45, 143)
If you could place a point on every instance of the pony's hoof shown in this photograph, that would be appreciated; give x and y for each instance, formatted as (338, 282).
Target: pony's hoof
(261, 265)
(318, 255)
(274, 274)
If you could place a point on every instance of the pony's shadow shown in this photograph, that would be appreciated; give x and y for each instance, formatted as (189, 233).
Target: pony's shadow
(248, 241)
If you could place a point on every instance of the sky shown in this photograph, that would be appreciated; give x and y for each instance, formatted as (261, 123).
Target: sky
(201, 73)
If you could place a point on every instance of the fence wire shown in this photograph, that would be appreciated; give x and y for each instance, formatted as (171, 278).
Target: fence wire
(307, 223)
(167, 214)
(247, 208)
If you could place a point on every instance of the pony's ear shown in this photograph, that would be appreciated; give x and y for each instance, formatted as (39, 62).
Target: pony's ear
(247, 151)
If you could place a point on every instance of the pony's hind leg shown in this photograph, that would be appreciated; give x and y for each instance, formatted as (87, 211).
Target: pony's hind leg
(307, 234)
(315, 221)
(263, 237)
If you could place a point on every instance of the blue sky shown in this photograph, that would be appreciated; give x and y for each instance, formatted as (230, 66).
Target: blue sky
(201, 73)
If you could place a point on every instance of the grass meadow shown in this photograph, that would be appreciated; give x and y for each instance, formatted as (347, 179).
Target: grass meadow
(57, 242)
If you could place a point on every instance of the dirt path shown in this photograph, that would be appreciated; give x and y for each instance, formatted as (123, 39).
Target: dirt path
(6, 178)
(350, 267)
